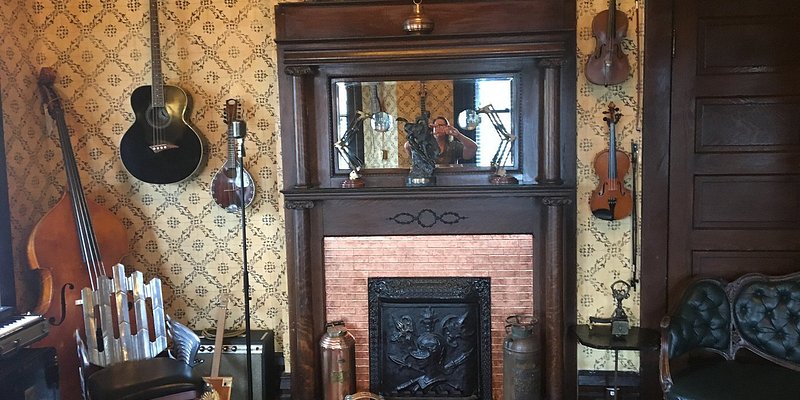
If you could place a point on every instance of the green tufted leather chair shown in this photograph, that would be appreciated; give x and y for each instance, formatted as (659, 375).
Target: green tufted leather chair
(755, 312)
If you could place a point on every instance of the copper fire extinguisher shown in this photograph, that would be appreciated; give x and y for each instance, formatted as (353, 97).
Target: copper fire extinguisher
(521, 359)
(338, 351)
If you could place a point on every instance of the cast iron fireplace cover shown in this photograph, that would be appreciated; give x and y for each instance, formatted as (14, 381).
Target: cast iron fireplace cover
(430, 338)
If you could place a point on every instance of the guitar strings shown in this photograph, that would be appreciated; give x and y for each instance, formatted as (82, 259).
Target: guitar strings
(86, 239)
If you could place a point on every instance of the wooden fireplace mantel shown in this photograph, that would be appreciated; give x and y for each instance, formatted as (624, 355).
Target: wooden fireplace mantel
(534, 40)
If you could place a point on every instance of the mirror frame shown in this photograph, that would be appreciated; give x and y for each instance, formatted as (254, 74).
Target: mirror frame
(527, 85)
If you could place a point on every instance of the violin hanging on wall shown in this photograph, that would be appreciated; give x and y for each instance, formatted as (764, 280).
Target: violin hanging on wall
(611, 200)
(608, 65)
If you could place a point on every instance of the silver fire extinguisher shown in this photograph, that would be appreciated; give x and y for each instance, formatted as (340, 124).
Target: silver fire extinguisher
(338, 350)
(521, 359)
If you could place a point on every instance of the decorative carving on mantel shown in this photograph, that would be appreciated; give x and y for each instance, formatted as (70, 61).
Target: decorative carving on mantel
(427, 218)
(300, 70)
(444, 322)
(556, 201)
(298, 204)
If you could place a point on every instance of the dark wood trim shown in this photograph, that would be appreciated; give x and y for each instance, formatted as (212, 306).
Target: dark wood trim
(315, 47)
(8, 296)
(655, 177)
(376, 19)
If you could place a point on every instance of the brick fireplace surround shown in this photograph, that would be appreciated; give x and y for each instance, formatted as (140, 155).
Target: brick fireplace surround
(350, 261)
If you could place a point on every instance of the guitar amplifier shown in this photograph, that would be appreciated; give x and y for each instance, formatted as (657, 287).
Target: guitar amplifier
(233, 363)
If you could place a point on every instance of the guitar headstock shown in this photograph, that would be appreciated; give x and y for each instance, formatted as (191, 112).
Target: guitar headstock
(46, 79)
(231, 110)
(612, 115)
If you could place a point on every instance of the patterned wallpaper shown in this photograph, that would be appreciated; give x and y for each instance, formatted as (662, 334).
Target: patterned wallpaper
(402, 99)
(604, 247)
(217, 50)
(100, 50)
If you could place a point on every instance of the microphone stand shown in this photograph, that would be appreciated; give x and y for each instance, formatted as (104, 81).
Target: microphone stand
(238, 129)
(634, 214)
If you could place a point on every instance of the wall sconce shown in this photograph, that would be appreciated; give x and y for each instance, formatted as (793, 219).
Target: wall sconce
(418, 23)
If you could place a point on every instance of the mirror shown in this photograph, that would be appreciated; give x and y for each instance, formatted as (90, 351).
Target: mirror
(370, 116)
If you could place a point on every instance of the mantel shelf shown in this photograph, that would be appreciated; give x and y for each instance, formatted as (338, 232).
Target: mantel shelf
(429, 192)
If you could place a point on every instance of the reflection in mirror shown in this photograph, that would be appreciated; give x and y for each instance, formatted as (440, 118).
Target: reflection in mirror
(379, 139)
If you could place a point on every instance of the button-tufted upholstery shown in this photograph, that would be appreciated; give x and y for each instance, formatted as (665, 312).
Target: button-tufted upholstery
(756, 312)
(702, 320)
(768, 316)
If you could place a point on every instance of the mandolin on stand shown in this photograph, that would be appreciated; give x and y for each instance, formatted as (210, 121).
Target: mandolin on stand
(226, 187)
(611, 200)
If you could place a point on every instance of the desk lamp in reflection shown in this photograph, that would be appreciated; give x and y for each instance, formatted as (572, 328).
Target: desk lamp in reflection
(380, 122)
(470, 119)
(355, 163)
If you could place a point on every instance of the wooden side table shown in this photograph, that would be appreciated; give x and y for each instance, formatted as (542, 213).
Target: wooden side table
(599, 337)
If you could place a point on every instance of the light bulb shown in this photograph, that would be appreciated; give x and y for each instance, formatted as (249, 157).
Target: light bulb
(381, 122)
(469, 119)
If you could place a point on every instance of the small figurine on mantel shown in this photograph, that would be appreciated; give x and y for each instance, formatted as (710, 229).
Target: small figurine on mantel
(424, 151)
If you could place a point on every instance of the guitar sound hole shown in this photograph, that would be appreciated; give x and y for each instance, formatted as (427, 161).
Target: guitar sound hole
(158, 117)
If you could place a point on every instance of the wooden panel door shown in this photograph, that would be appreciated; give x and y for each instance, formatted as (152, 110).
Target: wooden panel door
(734, 148)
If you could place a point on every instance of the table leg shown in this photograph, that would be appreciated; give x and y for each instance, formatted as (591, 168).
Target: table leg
(616, 368)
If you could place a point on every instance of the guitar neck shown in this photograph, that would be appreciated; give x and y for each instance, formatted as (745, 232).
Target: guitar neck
(231, 148)
(218, 338)
(612, 18)
(155, 56)
(231, 114)
(612, 152)
(80, 209)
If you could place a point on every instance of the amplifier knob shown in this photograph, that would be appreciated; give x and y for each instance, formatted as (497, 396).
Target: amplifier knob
(225, 348)
(233, 349)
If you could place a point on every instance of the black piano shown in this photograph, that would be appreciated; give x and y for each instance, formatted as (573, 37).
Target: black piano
(18, 331)
(25, 373)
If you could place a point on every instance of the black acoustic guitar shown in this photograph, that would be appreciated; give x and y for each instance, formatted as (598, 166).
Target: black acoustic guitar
(160, 146)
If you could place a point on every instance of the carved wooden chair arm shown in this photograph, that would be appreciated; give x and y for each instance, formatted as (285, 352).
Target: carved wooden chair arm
(363, 396)
(663, 357)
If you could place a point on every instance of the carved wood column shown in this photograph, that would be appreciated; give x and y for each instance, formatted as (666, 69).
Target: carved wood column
(550, 148)
(554, 325)
(301, 95)
(302, 318)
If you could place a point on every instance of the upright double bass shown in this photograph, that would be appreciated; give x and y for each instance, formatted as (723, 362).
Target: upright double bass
(64, 251)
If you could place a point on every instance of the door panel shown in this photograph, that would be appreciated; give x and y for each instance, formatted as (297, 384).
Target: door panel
(734, 168)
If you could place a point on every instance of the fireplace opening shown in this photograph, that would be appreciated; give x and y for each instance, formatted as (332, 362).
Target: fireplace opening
(430, 337)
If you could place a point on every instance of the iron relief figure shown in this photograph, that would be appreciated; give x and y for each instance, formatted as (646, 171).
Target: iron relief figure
(434, 350)
(424, 150)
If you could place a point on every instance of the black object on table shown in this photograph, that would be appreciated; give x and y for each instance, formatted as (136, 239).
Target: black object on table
(599, 337)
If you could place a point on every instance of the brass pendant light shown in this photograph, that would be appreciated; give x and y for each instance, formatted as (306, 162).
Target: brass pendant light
(418, 23)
